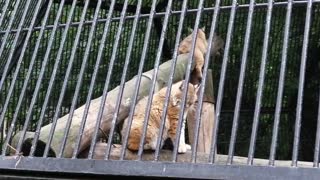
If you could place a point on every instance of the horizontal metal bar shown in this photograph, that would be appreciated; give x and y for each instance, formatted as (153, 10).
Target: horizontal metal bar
(161, 14)
(156, 169)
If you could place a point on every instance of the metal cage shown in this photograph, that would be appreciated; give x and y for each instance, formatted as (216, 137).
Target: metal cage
(65, 63)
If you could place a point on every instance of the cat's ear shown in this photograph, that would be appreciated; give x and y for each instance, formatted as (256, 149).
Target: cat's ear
(203, 28)
(190, 30)
(181, 87)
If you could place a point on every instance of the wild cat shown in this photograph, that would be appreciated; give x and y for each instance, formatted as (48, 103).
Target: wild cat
(171, 121)
(199, 52)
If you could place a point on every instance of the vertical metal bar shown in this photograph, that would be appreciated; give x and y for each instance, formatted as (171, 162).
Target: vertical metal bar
(64, 86)
(261, 84)
(143, 57)
(203, 85)
(186, 82)
(3, 43)
(301, 85)
(27, 76)
(240, 85)
(124, 73)
(105, 89)
(280, 85)
(86, 55)
(113, 57)
(13, 121)
(222, 81)
(43, 64)
(4, 11)
(154, 77)
(53, 74)
(80, 77)
(170, 81)
(123, 77)
(317, 143)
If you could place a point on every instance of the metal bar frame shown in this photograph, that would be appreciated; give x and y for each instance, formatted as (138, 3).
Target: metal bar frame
(157, 169)
(161, 14)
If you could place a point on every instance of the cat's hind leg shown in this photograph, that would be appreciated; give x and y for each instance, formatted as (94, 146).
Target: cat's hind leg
(151, 142)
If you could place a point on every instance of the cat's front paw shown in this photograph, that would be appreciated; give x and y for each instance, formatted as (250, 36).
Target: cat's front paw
(183, 148)
(188, 146)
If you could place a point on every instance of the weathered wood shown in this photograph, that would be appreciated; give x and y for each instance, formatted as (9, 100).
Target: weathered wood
(106, 121)
(166, 155)
(205, 129)
(206, 121)
(208, 95)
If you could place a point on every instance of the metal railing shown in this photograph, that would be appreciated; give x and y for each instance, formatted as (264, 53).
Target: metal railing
(72, 71)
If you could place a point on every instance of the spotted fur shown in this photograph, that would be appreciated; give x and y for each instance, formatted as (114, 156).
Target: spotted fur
(171, 121)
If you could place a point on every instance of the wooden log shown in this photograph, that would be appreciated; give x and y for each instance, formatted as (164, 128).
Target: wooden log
(166, 155)
(106, 121)
(206, 120)
(109, 109)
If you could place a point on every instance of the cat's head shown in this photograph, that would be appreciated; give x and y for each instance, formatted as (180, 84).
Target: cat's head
(200, 33)
(178, 91)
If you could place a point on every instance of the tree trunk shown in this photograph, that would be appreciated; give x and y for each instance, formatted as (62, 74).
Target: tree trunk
(109, 110)
(206, 120)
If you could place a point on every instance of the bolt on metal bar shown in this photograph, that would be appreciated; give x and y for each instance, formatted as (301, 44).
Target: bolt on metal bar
(113, 57)
(186, 82)
(203, 84)
(80, 77)
(317, 143)
(23, 91)
(154, 78)
(106, 85)
(170, 81)
(135, 96)
(261, 84)
(280, 85)
(222, 81)
(13, 121)
(240, 85)
(54, 72)
(297, 127)
(64, 87)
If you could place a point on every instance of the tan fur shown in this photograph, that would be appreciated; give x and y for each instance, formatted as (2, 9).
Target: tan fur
(199, 53)
(171, 121)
